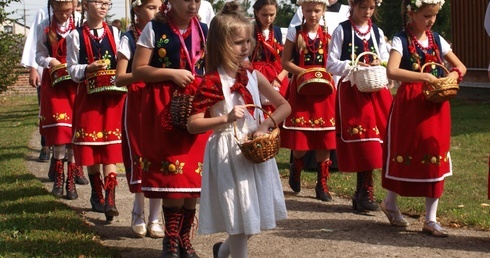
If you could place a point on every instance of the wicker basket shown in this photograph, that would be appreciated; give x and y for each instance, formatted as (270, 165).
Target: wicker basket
(369, 78)
(261, 148)
(180, 109)
(442, 89)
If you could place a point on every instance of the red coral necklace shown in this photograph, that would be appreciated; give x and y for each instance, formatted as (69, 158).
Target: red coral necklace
(87, 30)
(70, 27)
(415, 41)
(358, 32)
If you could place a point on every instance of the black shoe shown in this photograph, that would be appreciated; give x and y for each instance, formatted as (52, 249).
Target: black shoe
(216, 249)
(45, 154)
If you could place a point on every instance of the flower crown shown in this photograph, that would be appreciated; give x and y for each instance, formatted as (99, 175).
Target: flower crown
(378, 2)
(136, 3)
(300, 2)
(416, 4)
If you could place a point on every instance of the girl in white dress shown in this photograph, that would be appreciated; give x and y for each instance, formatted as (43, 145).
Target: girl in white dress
(238, 197)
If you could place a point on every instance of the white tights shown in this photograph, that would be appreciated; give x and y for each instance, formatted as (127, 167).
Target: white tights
(139, 207)
(234, 245)
(430, 205)
(431, 209)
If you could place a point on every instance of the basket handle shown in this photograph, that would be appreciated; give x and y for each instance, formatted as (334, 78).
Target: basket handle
(434, 63)
(263, 110)
(363, 54)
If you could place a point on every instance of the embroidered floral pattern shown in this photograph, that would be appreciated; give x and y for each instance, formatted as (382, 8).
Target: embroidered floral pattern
(98, 136)
(145, 164)
(298, 120)
(173, 168)
(356, 130)
(434, 160)
(427, 159)
(199, 168)
(107, 59)
(316, 122)
(162, 51)
(62, 116)
(402, 159)
(139, 162)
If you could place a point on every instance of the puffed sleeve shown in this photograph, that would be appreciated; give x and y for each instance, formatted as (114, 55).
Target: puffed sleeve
(208, 93)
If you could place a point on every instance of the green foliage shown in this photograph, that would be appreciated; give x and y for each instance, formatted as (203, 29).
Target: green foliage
(10, 51)
(285, 14)
(33, 223)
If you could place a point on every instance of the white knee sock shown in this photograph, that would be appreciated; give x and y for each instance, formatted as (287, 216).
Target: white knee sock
(431, 209)
(59, 152)
(139, 203)
(155, 209)
(390, 201)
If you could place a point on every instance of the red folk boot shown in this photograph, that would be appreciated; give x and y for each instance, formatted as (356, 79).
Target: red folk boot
(80, 178)
(321, 188)
(110, 182)
(171, 241)
(71, 189)
(186, 249)
(96, 196)
(59, 178)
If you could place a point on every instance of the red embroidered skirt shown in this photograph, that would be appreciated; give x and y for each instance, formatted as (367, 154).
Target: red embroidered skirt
(131, 137)
(171, 157)
(56, 112)
(97, 127)
(361, 127)
(417, 144)
(311, 124)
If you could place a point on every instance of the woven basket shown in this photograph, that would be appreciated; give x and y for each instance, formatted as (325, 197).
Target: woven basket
(369, 78)
(180, 109)
(442, 89)
(261, 148)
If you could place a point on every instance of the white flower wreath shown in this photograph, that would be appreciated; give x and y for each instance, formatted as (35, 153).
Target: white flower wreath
(416, 4)
(136, 3)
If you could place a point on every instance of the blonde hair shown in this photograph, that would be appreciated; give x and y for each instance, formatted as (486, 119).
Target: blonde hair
(219, 44)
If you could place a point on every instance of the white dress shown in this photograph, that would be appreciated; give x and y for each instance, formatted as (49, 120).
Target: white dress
(238, 196)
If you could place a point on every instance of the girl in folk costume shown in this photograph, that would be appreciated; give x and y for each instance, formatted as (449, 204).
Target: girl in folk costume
(311, 124)
(58, 94)
(91, 61)
(238, 197)
(169, 58)
(419, 130)
(361, 117)
(266, 56)
(142, 12)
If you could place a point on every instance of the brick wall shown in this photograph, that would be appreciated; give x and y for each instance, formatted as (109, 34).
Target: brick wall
(21, 87)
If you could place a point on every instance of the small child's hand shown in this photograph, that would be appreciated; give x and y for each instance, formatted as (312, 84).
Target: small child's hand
(261, 130)
(362, 64)
(237, 113)
(375, 62)
(429, 77)
(96, 66)
(182, 77)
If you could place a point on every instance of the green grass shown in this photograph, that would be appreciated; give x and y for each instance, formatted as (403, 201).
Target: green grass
(32, 222)
(465, 191)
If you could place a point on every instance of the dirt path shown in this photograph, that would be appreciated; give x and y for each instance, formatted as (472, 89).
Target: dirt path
(313, 229)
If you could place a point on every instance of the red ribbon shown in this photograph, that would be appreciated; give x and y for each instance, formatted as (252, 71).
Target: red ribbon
(240, 85)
